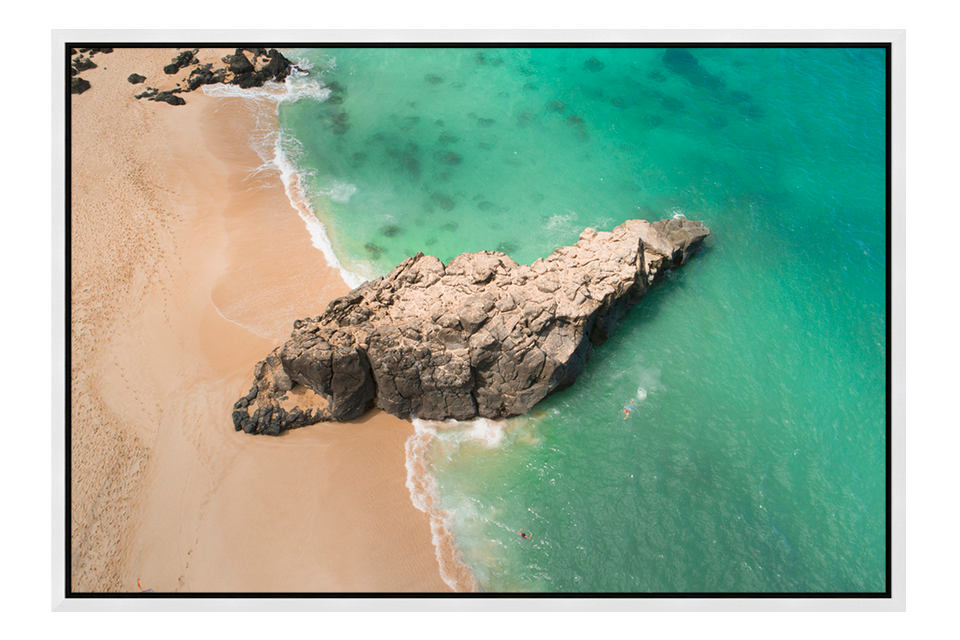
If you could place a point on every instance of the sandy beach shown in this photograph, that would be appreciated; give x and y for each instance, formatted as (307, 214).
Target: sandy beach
(188, 266)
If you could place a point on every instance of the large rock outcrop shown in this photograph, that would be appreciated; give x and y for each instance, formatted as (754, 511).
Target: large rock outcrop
(480, 336)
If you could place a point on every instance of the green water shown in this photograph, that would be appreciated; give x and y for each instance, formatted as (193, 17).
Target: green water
(754, 457)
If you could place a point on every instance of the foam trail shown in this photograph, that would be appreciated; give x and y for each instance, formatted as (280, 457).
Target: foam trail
(297, 86)
(489, 432)
(270, 147)
(293, 185)
(423, 494)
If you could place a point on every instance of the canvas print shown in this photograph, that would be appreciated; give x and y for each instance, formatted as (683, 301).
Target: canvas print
(467, 319)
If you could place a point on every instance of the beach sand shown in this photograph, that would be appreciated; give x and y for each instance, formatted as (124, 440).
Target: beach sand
(188, 267)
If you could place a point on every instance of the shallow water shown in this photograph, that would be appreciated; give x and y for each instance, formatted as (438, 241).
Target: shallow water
(753, 459)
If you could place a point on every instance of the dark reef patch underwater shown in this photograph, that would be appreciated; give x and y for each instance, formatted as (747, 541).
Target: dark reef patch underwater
(731, 436)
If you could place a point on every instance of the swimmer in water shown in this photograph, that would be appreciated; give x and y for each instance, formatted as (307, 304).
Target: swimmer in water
(524, 535)
(626, 411)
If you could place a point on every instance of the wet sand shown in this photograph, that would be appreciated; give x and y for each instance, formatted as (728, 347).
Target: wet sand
(188, 266)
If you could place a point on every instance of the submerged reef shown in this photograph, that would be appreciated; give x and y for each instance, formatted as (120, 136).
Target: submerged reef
(481, 336)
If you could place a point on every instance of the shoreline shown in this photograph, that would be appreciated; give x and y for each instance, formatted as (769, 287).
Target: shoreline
(187, 268)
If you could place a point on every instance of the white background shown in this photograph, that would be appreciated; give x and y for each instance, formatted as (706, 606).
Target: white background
(28, 271)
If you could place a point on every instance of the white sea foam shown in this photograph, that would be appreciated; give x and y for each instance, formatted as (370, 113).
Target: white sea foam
(423, 494)
(560, 222)
(279, 151)
(649, 382)
(487, 432)
(293, 184)
(339, 191)
(436, 438)
(420, 482)
(296, 86)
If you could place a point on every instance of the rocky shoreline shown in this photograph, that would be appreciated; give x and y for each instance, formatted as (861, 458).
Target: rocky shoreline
(246, 67)
(478, 337)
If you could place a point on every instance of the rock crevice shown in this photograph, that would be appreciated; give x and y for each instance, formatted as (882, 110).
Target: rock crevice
(479, 337)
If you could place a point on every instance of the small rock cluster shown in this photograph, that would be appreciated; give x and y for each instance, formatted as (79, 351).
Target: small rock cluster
(246, 67)
(80, 63)
(241, 70)
(479, 336)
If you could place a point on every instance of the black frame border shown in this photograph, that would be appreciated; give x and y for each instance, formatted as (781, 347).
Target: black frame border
(142, 596)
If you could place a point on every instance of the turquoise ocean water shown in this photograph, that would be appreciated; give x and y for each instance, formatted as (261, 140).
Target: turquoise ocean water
(755, 457)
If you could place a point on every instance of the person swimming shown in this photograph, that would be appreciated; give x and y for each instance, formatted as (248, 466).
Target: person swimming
(524, 534)
(626, 411)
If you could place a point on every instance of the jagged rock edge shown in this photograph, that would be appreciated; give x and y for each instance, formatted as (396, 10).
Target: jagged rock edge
(550, 313)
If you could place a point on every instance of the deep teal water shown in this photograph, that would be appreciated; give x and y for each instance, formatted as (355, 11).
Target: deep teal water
(754, 459)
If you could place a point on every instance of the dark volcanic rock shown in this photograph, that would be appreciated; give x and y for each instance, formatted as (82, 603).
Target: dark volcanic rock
(480, 336)
(277, 67)
(169, 97)
(205, 75)
(239, 63)
(185, 58)
(78, 85)
(81, 64)
(246, 74)
(266, 65)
